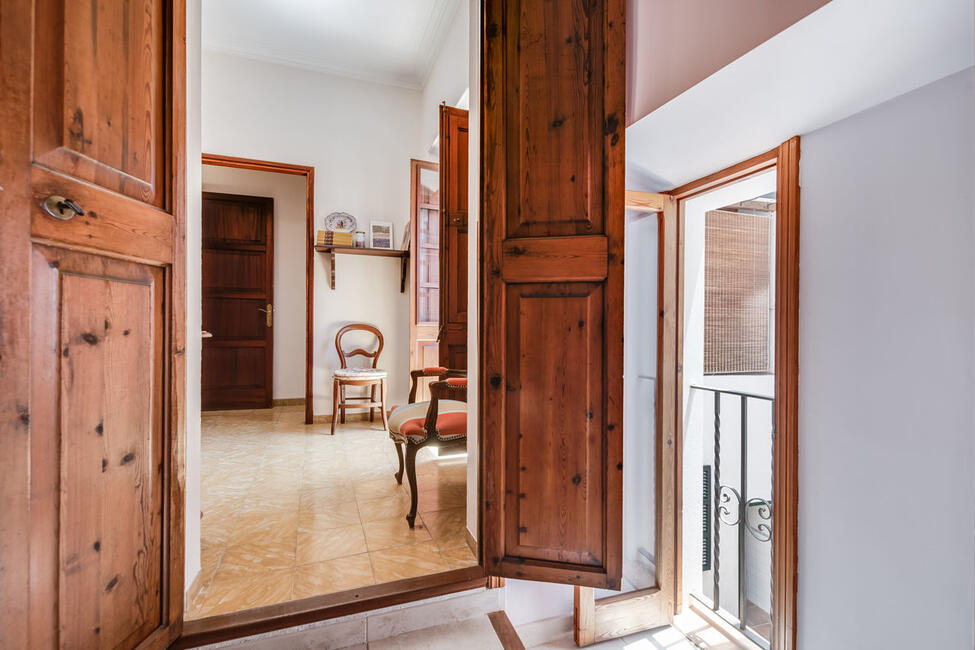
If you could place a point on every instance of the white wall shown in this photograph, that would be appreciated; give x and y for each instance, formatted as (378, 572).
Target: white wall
(448, 79)
(886, 375)
(359, 137)
(194, 303)
(288, 192)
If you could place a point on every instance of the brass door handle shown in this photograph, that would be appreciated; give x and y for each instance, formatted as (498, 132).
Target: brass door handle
(268, 314)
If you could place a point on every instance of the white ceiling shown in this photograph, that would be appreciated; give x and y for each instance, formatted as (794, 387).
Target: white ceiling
(840, 60)
(385, 41)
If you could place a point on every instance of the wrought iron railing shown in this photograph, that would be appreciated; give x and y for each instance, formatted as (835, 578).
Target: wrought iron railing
(736, 509)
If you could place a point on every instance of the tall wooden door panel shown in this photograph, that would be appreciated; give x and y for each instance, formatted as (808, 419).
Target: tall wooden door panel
(92, 313)
(552, 289)
(453, 239)
(238, 288)
(424, 269)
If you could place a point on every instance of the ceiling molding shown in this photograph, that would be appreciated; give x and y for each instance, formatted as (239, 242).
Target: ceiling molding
(311, 63)
(435, 35)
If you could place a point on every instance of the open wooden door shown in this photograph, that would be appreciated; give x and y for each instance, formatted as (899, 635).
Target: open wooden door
(551, 327)
(453, 238)
(92, 376)
(424, 270)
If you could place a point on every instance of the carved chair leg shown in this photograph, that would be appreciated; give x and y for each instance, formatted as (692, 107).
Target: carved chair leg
(411, 477)
(342, 388)
(335, 403)
(399, 454)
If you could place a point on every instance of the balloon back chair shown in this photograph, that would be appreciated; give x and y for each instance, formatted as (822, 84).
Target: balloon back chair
(440, 422)
(371, 377)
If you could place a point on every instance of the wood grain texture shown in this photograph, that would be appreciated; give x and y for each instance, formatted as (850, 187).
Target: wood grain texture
(551, 338)
(736, 172)
(309, 173)
(15, 407)
(506, 631)
(785, 479)
(103, 124)
(453, 237)
(644, 201)
(238, 286)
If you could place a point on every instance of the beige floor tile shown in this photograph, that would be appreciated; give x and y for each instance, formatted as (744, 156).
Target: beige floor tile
(407, 562)
(385, 508)
(447, 527)
(327, 577)
(459, 557)
(375, 488)
(317, 546)
(262, 528)
(387, 533)
(257, 556)
(319, 516)
(234, 593)
(443, 498)
(325, 499)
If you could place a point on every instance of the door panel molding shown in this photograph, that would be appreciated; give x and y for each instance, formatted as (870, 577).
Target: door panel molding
(552, 116)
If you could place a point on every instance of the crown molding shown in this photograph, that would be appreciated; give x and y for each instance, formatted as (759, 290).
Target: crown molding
(307, 62)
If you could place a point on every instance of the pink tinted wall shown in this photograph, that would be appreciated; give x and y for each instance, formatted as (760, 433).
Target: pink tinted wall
(674, 44)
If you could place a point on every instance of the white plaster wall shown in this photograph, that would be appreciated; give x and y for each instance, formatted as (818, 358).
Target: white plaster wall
(886, 374)
(288, 192)
(194, 304)
(359, 137)
(447, 80)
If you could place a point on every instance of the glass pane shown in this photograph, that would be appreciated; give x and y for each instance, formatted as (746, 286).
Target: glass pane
(429, 193)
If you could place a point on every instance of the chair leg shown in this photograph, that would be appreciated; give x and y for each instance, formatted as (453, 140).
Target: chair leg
(335, 403)
(399, 454)
(372, 398)
(342, 388)
(411, 477)
(382, 402)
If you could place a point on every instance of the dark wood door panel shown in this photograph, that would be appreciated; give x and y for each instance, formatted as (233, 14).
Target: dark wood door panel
(238, 290)
(552, 289)
(97, 486)
(99, 98)
(453, 237)
(555, 413)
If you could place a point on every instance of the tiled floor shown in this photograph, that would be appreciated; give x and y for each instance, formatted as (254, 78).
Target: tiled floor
(291, 512)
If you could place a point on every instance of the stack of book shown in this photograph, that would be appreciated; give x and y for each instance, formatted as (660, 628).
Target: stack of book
(333, 238)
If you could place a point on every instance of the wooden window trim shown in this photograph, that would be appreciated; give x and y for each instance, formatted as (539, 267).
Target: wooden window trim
(309, 174)
(785, 455)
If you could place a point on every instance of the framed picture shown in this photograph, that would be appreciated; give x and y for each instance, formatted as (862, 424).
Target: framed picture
(381, 234)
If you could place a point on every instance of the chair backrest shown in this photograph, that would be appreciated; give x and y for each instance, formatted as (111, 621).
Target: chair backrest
(358, 351)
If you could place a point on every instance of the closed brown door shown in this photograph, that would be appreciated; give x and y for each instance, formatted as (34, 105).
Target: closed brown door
(92, 376)
(453, 237)
(553, 96)
(238, 283)
(425, 270)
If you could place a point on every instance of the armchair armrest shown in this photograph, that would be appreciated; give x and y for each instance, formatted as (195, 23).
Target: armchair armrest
(450, 388)
(434, 371)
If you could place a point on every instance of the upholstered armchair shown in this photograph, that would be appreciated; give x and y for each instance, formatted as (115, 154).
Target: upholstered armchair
(441, 421)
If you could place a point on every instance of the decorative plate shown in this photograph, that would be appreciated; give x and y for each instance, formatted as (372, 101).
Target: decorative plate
(340, 222)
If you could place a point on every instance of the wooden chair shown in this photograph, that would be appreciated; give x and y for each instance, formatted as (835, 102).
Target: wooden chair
(370, 376)
(441, 422)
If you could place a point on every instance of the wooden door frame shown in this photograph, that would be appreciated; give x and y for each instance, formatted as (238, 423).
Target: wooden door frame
(16, 205)
(308, 173)
(416, 166)
(268, 204)
(785, 455)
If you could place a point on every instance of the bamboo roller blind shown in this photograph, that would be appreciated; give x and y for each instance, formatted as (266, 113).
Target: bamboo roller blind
(736, 293)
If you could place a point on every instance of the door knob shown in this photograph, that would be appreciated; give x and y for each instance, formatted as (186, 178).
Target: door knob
(61, 208)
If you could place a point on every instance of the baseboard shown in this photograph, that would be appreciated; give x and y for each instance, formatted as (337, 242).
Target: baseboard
(288, 401)
(349, 417)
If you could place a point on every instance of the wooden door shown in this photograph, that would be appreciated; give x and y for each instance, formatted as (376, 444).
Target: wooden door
(453, 239)
(92, 317)
(424, 269)
(551, 356)
(238, 299)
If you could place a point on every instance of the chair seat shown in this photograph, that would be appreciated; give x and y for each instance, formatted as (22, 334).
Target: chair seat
(359, 373)
(406, 422)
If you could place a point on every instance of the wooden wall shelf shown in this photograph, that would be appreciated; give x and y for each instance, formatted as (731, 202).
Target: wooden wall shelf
(375, 252)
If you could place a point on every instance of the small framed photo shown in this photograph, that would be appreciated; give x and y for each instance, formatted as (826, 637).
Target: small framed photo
(381, 234)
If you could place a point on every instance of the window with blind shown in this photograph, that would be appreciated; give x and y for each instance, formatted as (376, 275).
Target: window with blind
(737, 310)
